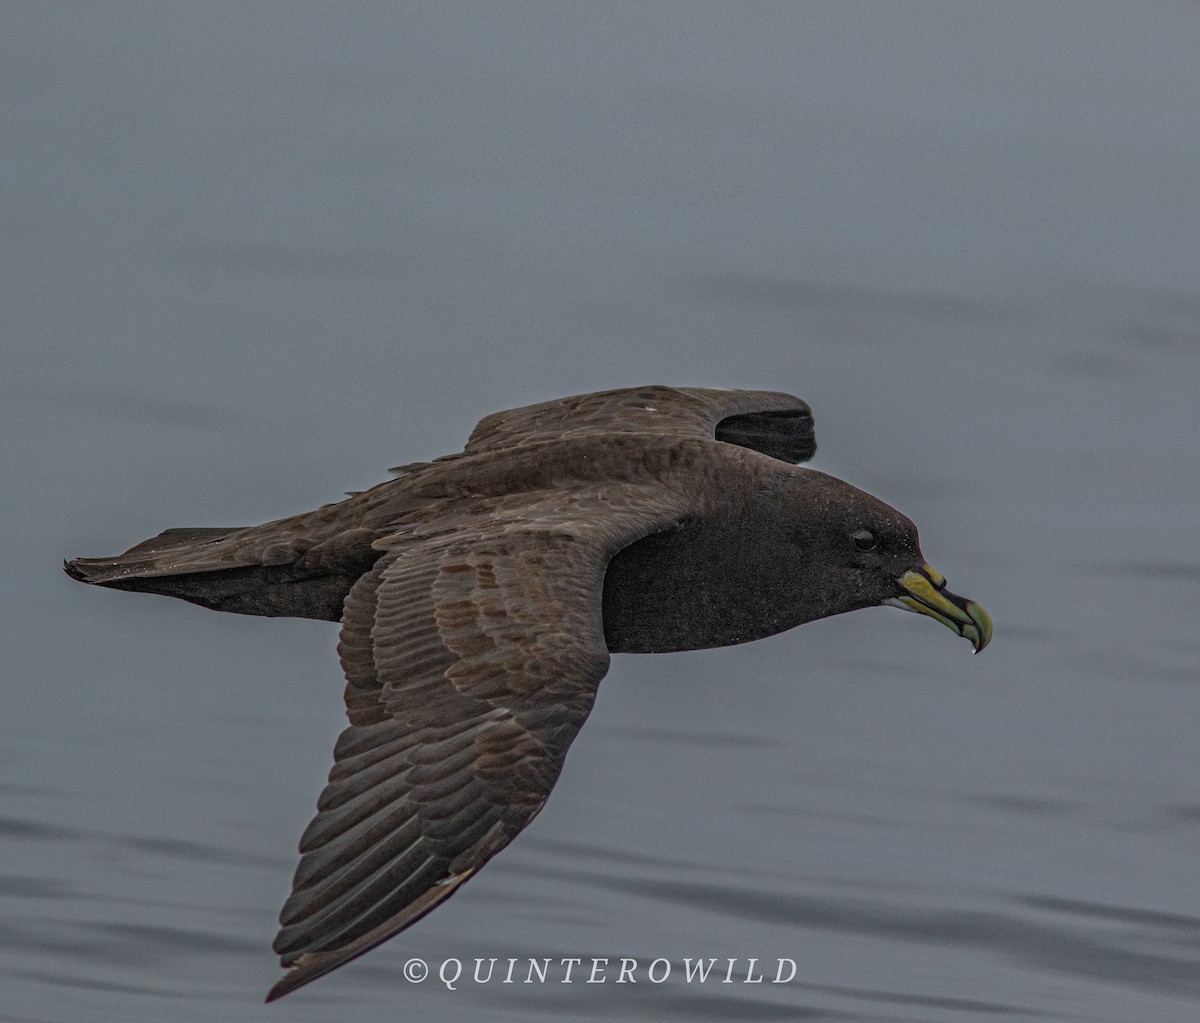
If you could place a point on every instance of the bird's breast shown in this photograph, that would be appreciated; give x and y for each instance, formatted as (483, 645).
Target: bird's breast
(696, 587)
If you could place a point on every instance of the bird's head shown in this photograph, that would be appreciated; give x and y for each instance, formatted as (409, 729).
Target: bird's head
(855, 551)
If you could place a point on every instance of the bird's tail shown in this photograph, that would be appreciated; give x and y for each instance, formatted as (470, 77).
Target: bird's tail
(167, 554)
(255, 570)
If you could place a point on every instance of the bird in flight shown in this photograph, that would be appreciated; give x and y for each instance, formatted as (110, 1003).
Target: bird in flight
(481, 594)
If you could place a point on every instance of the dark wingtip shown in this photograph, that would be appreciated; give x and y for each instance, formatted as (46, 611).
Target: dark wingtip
(308, 966)
(74, 571)
(297, 977)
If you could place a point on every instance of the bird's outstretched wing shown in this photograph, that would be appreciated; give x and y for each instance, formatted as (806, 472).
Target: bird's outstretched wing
(771, 422)
(472, 652)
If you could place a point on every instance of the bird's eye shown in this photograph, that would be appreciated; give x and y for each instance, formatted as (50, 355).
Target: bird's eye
(864, 540)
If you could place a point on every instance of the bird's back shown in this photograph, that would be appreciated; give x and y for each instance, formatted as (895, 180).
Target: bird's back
(303, 566)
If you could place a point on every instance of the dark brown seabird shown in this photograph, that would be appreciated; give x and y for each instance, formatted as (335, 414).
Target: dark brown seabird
(480, 595)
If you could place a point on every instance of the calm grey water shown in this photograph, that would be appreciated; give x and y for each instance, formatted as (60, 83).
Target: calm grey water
(255, 254)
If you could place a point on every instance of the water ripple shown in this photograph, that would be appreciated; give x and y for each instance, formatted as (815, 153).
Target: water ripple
(1042, 945)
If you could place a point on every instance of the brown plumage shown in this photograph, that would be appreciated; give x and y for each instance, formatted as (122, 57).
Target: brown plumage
(480, 596)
